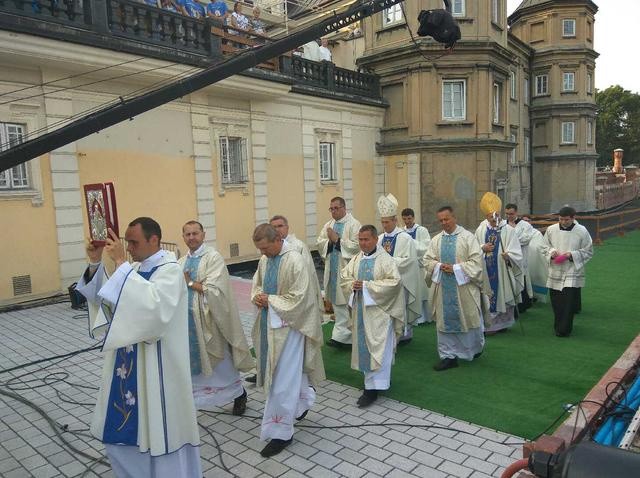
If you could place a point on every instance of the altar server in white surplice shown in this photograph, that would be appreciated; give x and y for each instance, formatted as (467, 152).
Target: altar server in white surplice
(402, 248)
(217, 345)
(144, 412)
(525, 233)
(422, 238)
(568, 248)
(453, 266)
(281, 224)
(337, 244)
(376, 297)
(502, 264)
(287, 338)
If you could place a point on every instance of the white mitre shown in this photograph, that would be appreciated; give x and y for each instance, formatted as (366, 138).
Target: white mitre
(387, 206)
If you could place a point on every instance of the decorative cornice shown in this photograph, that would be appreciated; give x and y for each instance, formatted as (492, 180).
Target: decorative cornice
(453, 145)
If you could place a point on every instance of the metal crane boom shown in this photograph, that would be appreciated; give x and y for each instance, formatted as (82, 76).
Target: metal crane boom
(126, 109)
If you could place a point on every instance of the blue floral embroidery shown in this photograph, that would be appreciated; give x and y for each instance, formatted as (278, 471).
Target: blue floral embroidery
(269, 286)
(191, 266)
(334, 265)
(365, 273)
(450, 305)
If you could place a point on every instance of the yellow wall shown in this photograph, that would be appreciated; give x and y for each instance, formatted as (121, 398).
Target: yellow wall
(168, 196)
(396, 179)
(28, 242)
(285, 174)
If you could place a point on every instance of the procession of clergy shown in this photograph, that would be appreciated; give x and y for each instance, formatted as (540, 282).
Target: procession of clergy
(174, 343)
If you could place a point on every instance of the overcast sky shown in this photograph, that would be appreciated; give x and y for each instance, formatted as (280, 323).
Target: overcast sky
(616, 22)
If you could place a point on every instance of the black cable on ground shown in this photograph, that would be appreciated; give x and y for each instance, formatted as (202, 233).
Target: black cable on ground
(55, 357)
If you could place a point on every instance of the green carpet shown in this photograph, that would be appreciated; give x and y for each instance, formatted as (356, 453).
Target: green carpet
(523, 378)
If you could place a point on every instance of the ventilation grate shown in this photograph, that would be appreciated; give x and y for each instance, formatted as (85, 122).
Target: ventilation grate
(21, 285)
(234, 249)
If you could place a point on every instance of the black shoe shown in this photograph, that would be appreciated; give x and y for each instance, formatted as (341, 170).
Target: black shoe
(338, 345)
(367, 398)
(445, 364)
(558, 334)
(475, 356)
(240, 404)
(274, 447)
(405, 341)
(304, 414)
(251, 378)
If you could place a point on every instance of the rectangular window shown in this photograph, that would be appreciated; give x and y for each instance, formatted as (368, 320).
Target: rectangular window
(512, 154)
(233, 160)
(327, 153)
(525, 93)
(495, 11)
(568, 132)
(568, 27)
(17, 177)
(392, 15)
(457, 8)
(589, 132)
(527, 146)
(589, 83)
(453, 100)
(497, 98)
(513, 88)
(542, 85)
(568, 81)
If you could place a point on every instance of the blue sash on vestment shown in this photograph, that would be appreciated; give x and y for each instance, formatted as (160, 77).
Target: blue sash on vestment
(365, 272)
(269, 287)
(191, 266)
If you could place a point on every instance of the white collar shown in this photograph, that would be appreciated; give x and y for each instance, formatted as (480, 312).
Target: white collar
(455, 232)
(198, 252)
(152, 261)
(393, 233)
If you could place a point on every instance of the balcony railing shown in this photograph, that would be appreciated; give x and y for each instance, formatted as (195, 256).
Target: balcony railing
(134, 27)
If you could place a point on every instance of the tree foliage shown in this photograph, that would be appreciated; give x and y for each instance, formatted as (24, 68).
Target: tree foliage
(618, 124)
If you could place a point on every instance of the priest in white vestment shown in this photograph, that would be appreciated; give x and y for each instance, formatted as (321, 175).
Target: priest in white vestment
(337, 244)
(376, 297)
(402, 248)
(287, 337)
(538, 264)
(502, 265)
(453, 267)
(281, 224)
(218, 347)
(568, 248)
(525, 232)
(144, 412)
(422, 238)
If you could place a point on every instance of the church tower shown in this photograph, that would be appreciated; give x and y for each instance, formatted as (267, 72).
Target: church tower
(563, 107)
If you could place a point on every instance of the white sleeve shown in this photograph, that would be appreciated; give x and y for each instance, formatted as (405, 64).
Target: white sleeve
(366, 296)
(275, 322)
(90, 289)
(437, 273)
(111, 290)
(461, 277)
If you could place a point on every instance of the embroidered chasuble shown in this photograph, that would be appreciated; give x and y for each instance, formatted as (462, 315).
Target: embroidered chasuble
(121, 423)
(191, 266)
(334, 266)
(270, 286)
(389, 243)
(365, 273)
(491, 262)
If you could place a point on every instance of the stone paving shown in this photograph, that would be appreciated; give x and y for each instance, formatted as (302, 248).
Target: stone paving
(65, 390)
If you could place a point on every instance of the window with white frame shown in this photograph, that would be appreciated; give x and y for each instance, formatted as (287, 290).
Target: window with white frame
(568, 27)
(453, 100)
(512, 154)
(589, 132)
(512, 81)
(542, 85)
(495, 11)
(589, 83)
(527, 146)
(525, 93)
(568, 81)
(497, 99)
(17, 177)
(392, 15)
(568, 132)
(458, 8)
(327, 154)
(233, 160)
